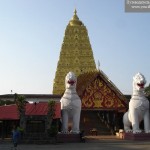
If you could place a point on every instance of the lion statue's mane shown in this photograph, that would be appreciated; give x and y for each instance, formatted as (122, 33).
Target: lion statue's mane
(138, 107)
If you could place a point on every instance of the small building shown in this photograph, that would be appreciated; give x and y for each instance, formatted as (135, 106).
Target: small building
(36, 114)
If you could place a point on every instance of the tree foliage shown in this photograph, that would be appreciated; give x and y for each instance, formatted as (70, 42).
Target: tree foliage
(20, 101)
(50, 115)
(51, 108)
(7, 102)
(147, 90)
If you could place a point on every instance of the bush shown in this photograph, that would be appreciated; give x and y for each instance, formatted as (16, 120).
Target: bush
(52, 131)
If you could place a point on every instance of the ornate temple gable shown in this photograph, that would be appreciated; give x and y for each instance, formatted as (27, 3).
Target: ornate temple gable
(97, 92)
(76, 54)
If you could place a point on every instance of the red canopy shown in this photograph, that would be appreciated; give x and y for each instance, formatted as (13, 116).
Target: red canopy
(10, 112)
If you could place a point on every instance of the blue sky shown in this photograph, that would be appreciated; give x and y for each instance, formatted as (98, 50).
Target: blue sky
(32, 31)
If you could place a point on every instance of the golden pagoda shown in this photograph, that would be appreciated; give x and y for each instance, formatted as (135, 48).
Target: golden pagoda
(76, 54)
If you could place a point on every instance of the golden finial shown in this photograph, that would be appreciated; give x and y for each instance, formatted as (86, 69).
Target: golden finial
(75, 20)
(75, 11)
(75, 17)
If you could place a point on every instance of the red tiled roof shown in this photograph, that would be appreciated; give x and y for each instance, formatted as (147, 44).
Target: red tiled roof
(10, 112)
(41, 109)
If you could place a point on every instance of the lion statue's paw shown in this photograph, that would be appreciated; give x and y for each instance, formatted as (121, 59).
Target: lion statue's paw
(137, 131)
(74, 132)
(129, 131)
(147, 131)
(65, 132)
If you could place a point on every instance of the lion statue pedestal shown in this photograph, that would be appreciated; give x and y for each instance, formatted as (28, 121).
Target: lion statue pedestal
(70, 105)
(138, 108)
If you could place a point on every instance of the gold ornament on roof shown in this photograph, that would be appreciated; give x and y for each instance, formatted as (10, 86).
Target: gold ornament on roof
(75, 20)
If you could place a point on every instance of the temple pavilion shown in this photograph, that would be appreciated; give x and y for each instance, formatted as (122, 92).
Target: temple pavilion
(103, 104)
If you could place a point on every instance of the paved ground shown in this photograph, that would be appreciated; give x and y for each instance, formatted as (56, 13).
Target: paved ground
(101, 143)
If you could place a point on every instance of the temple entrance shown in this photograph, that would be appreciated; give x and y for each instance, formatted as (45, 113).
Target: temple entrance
(103, 105)
(100, 122)
(35, 126)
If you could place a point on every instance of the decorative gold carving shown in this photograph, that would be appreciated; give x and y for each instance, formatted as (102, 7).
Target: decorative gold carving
(99, 95)
(98, 92)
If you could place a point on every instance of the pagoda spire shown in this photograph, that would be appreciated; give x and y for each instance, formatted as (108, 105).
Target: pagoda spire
(76, 54)
(75, 17)
(75, 11)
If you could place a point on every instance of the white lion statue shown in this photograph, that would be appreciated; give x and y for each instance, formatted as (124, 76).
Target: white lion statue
(138, 107)
(70, 105)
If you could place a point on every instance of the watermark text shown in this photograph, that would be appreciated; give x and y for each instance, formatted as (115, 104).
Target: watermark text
(137, 5)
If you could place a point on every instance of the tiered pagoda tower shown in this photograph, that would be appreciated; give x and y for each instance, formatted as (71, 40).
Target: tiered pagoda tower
(76, 54)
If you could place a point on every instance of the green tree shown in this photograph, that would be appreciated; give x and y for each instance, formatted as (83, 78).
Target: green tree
(51, 129)
(20, 102)
(2, 103)
(51, 112)
(7, 102)
(147, 90)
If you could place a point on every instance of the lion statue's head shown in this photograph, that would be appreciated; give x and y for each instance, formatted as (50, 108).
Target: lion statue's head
(139, 82)
(70, 80)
